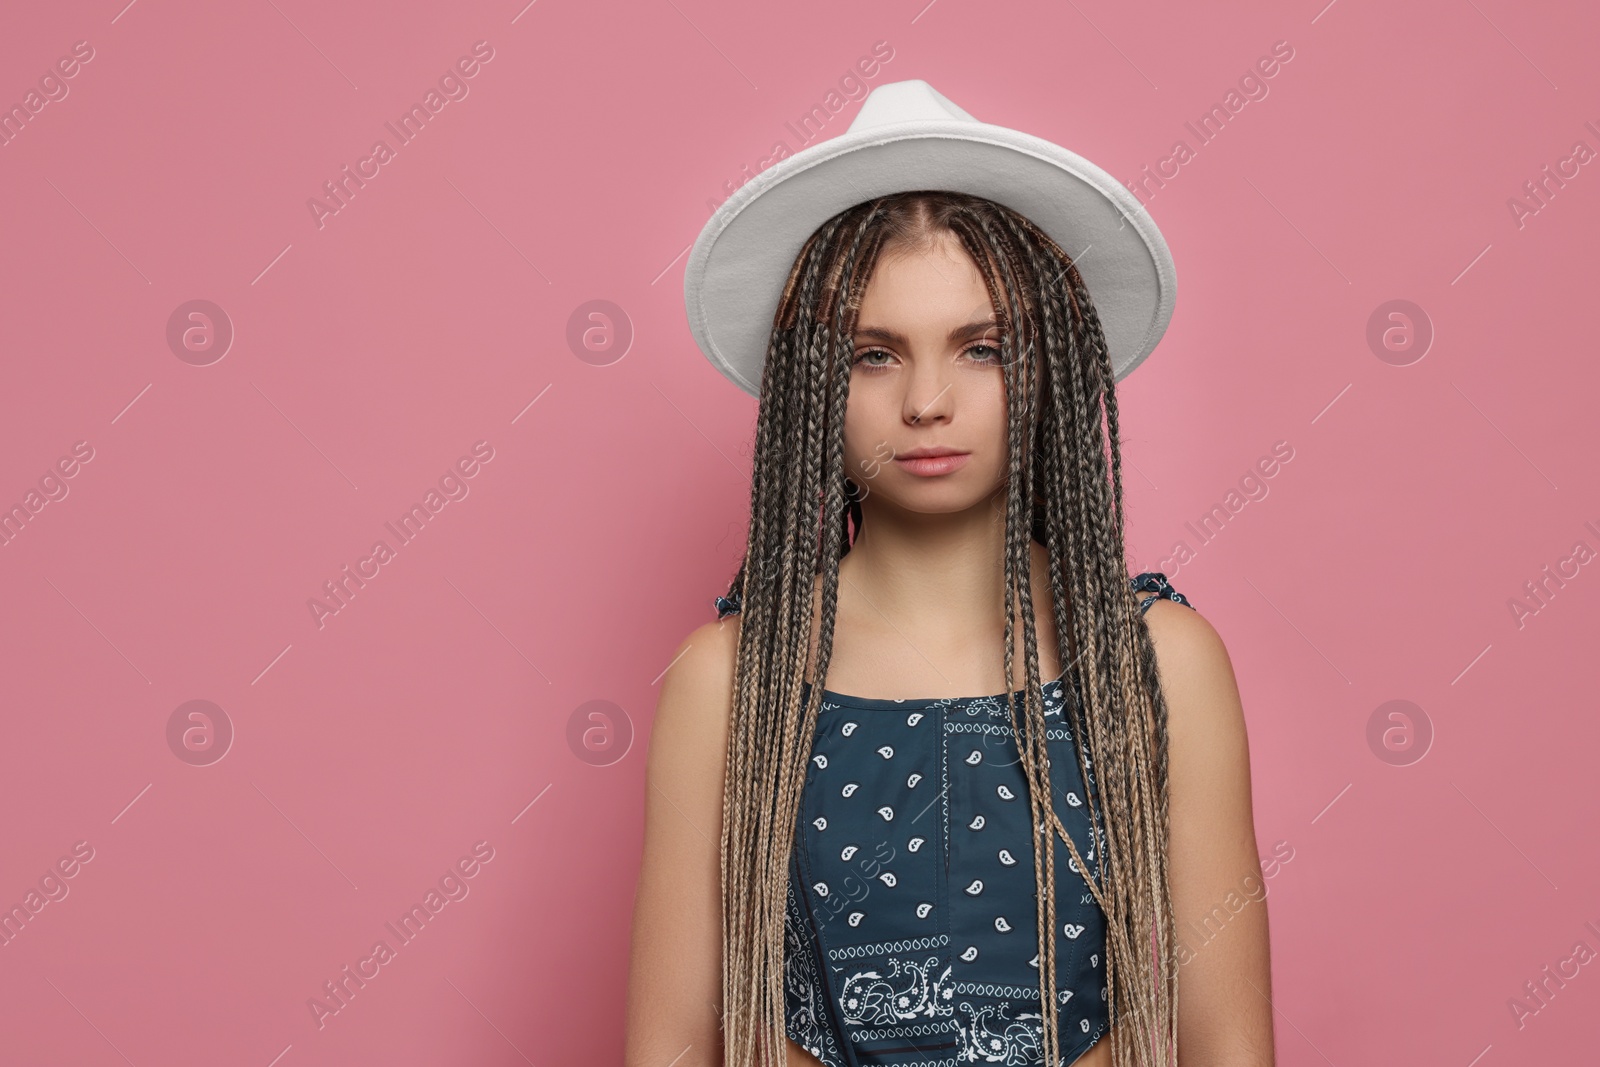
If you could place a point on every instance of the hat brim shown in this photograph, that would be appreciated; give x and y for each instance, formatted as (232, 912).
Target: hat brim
(742, 258)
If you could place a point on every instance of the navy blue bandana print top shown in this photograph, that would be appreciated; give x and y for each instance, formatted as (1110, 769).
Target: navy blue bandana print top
(910, 931)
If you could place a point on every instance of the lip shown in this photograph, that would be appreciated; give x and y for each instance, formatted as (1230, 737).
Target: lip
(931, 462)
(930, 450)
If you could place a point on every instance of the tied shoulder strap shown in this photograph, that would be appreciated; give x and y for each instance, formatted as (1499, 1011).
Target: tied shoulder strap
(1156, 582)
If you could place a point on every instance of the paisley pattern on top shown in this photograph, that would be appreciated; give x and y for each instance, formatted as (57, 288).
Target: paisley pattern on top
(910, 920)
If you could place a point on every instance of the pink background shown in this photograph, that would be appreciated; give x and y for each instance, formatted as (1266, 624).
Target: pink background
(444, 704)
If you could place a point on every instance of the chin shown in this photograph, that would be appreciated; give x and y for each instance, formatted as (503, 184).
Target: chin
(939, 498)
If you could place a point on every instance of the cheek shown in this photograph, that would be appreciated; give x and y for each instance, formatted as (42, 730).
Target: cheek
(864, 440)
(996, 464)
(853, 453)
(988, 406)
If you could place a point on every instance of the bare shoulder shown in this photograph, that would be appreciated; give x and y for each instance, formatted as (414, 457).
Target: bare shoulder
(696, 698)
(1190, 654)
(1191, 657)
(1205, 718)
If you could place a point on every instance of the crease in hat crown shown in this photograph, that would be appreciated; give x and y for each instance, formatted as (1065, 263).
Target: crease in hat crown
(905, 101)
(907, 135)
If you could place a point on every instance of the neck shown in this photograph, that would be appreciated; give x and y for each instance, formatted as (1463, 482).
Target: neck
(910, 567)
(936, 582)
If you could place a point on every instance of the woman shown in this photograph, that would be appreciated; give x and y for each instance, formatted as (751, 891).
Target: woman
(937, 452)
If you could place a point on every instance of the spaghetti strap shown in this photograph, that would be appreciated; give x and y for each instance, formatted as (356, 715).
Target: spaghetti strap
(1146, 581)
(1156, 582)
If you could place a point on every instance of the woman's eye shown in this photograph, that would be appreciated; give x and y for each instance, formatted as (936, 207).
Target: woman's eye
(982, 353)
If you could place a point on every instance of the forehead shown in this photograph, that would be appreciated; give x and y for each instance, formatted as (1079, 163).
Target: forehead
(928, 288)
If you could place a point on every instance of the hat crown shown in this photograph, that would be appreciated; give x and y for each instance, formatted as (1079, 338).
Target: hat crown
(912, 100)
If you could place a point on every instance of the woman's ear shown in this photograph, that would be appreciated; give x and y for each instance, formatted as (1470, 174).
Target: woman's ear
(852, 511)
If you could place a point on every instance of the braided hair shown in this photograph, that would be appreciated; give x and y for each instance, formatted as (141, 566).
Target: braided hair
(1064, 489)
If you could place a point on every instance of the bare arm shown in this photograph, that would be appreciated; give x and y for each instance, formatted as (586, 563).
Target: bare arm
(675, 969)
(1218, 896)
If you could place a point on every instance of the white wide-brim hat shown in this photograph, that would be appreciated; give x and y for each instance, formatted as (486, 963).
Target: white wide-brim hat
(908, 136)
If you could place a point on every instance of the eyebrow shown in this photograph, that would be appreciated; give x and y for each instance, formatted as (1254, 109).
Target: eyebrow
(960, 333)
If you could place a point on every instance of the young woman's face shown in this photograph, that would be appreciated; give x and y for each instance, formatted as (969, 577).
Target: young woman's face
(927, 375)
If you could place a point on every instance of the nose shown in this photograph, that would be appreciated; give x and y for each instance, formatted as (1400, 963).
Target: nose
(930, 392)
